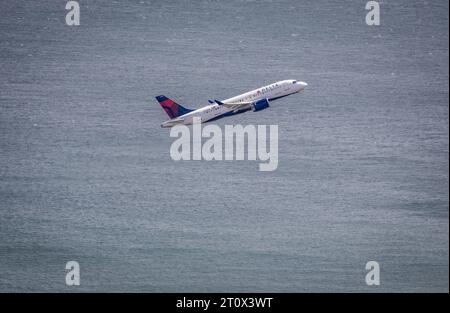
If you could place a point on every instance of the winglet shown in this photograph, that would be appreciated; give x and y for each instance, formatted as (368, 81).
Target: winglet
(218, 102)
(211, 101)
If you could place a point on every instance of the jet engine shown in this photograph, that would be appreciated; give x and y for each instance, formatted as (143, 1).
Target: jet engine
(260, 105)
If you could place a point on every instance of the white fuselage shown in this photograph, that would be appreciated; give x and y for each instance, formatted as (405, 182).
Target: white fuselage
(212, 111)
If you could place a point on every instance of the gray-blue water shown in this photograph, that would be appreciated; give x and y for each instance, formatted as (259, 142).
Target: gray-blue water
(86, 175)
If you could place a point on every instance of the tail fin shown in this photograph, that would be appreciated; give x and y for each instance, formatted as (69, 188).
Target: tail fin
(172, 108)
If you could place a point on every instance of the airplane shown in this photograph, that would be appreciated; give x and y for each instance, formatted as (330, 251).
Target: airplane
(255, 100)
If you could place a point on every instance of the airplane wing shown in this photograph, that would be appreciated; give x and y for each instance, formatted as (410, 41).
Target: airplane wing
(234, 106)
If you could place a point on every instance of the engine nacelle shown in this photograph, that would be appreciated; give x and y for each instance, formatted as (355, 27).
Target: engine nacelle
(260, 105)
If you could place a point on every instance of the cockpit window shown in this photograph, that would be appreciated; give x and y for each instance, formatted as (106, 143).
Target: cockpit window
(294, 81)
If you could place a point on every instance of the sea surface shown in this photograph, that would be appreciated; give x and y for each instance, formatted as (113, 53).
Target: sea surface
(86, 174)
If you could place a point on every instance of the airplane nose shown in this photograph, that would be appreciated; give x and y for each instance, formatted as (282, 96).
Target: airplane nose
(302, 85)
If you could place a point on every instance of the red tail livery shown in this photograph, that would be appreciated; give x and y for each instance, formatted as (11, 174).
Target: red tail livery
(172, 108)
